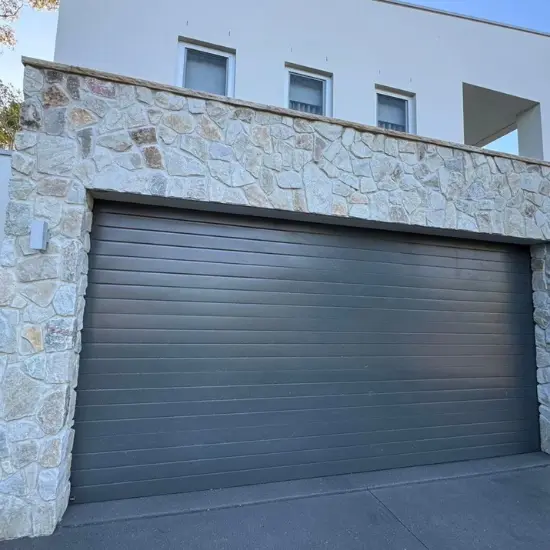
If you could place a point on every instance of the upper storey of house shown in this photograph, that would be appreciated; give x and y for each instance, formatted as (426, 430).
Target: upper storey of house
(376, 62)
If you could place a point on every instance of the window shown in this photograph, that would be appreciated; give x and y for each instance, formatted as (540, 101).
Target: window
(309, 93)
(394, 111)
(206, 69)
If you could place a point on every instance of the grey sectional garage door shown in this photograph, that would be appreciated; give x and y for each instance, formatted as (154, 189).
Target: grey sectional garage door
(222, 351)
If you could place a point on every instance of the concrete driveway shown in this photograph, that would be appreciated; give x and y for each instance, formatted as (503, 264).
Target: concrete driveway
(499, 503)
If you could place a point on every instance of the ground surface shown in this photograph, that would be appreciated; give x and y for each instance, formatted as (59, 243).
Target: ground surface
(502, 504)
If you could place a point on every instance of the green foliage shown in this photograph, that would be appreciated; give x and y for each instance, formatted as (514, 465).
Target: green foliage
(10, 108)
(10, 99)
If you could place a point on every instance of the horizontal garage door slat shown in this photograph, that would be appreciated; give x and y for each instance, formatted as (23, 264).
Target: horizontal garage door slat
(142, 307)
(125, 448)
(204, 465)
(196, 224)
(173, 453)
(153, 486)
(231, 337)
(499, 409)
(221, 351)
(140, 293)
(474, 269)
(430, 276)
(170, 281)
(385, 402)
(222, 324)
(270, 391)
(161, 351)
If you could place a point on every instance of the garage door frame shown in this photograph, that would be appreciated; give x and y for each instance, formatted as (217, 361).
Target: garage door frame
(112, 216)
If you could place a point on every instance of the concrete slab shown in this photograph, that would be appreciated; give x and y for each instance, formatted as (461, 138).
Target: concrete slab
(335, 521)
(505, 511)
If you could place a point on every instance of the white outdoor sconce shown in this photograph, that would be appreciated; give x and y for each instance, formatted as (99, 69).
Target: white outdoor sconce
(39, 235)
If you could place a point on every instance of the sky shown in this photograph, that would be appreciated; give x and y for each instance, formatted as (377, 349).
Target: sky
(36, 35)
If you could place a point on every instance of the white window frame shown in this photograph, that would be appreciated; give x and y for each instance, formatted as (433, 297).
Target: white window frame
(221, 52)
(411, 106)
(327, 87)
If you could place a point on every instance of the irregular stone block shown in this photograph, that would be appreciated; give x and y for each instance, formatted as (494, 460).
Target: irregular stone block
(144, 136)
(56, 449)
(153, 157)
(194, 145)
(261, 137)
(49, 209)
(135, 116)
(33, 80)
(54, 96)
(209, 130)
(55, 121)
(7, 287)
(61, 367)
(49, 483)
(289, 180)
(318, 190)
(241, 177)
(328, 131)
(167, 135)
(24, 453)
(22, 163)
(181, 123)
(169, 101)
(38, 269)
(15, 519)
(196, 188)
(53, 187)
(25, 140)
(120, 141)
(55, 155)
(219, 151)
(196, 106)
(85, 142)
(35, 366)
(32, 337)
(101, 87)
(73, 87)
(53, 410)
(145, 95)
(31, 115)
(60, 334)
(64, 301)
(22, 394)
(179, 164)
(8, 321)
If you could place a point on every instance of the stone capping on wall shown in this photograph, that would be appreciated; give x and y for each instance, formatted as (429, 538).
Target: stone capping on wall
(112, 77)
(463, 16)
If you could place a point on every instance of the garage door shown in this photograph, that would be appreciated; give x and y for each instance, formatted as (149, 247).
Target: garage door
(222, 351)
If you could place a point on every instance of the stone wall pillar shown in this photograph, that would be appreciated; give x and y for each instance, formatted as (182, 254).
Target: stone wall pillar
(540, 263)
(41, 309)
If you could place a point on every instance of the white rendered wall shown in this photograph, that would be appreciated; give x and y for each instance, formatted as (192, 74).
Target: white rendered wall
(5, 174)
(362, 42)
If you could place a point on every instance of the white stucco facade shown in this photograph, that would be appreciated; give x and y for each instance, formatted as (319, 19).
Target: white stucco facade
(362, 43)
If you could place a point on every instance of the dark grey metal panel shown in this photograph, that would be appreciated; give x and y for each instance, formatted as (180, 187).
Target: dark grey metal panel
(220, 351)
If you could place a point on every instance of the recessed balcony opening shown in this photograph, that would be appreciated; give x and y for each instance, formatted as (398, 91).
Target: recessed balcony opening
(502, 122)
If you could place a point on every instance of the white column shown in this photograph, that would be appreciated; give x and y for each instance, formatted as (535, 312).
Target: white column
(529, 125)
